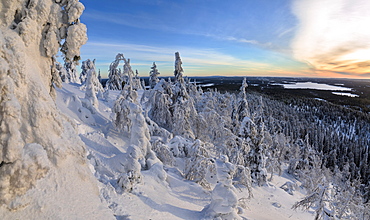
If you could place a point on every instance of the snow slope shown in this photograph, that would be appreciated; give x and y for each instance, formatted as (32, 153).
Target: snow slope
(174, 198)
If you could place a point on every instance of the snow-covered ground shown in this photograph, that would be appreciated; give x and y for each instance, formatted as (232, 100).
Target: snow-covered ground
(174, 198)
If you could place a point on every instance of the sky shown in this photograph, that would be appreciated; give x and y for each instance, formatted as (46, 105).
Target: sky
(298, 38)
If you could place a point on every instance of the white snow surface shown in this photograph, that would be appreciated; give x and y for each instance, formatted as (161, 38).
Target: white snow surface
(313, 85)
(153, 198)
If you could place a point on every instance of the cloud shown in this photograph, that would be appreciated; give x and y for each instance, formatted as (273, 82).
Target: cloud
(333, 35)
(247, 41)
(195, 60)
(195, 56)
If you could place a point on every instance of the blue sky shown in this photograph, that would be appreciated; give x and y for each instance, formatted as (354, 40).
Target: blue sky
(238, 37)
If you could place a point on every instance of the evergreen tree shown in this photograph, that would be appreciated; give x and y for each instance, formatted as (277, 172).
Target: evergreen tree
(115, 77)
(158, 102)
(99, 76)
(182, 108)
(178, 68)
(318, 199)
(70, 67)
(128, 73)
(256, 139)
(86, 66)
(136, 81)
(62, 72)
(92, 86)
(224, 203)
(153, 76)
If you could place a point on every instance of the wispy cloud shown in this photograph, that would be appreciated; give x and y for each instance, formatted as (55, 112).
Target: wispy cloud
(150, 22)
(141, 21)
(241, 40)
(194, 59)
(153, 53)
(333, 36)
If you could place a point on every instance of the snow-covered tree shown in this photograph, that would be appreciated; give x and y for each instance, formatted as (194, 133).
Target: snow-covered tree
(198, 163)
(122, 109)
(318, 199)
(70, 67)
(93, 86)
(55, 79)
(257, 140)
(183, 113)
(170, 105)
(39, 151)
(141, 148)
(89, 69)
(242, 177)
(129, 117)
(136, 82)
(224, 202)
(99, 76)
(158, 102)
(277, 155)
(62, 72)
(179, 87)
(241, 109)
(163, 152)
(128, 73)
(130, 174)
(183, 110)
(153, 76)
(115, 77)
(86, 66)
(178, 68)
(118, 79)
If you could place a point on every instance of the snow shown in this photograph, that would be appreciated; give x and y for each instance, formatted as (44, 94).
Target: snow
(169, 197)
(345, 94)
(207, 85)
(272, 202)
(42, 155)
(75, 39)
(311, 85)
(63, 158)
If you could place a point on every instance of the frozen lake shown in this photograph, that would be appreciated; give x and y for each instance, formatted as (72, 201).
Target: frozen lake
(318, 86)
(345, 94)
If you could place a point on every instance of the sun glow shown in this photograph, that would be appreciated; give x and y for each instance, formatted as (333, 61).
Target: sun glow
(333, 36)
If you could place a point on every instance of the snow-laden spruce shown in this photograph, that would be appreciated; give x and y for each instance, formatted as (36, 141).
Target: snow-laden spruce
(92, 85)
(128, 117)
(41, 156)
(71, 75)
(115, 76)
(224, 203)
(117, 79)
(153, 76)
